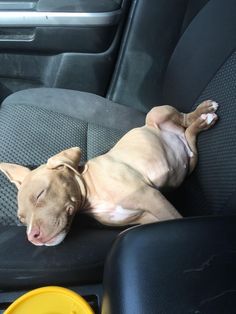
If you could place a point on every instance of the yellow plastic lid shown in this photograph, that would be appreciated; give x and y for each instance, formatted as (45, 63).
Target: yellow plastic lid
(50, 300)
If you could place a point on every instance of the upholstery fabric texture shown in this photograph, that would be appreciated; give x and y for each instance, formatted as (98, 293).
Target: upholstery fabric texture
(211, 187)
(33, 132)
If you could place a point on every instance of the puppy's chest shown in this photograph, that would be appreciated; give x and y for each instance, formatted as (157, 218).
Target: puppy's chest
(113, 214)
(112, 190)
(114, 202)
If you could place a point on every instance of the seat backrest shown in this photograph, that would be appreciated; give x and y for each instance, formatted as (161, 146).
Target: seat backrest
(203, 66)
(181, 52)
(153, 30)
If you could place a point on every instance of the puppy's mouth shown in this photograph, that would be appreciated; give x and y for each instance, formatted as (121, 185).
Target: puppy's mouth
(53, 241)
(56, 239)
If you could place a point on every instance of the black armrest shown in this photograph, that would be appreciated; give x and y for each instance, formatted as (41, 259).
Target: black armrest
(175, 267)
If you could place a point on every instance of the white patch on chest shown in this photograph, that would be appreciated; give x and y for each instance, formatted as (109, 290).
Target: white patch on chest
(120, 213)
(116, 214)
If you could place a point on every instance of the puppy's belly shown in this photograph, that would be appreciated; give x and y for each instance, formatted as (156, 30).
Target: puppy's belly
(161, 157)
(170, 165)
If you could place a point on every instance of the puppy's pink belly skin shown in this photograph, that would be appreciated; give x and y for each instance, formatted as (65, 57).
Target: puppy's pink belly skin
(160, 156)
(173, 170)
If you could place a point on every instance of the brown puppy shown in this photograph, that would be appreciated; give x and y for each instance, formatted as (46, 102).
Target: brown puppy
(118, 188)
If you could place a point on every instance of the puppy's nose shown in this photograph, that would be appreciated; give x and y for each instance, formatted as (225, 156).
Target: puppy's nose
(35, 234)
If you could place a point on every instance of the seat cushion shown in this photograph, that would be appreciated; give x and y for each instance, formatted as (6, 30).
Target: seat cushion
(37, 123)
(34, 125)
(182, 266)
(87, 107)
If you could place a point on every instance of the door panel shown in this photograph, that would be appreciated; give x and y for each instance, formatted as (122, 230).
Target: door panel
(64, 43)
(62, 5)
(78, 6)
(57, 39)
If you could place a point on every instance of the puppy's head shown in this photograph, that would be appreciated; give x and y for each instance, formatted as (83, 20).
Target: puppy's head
(49, 196)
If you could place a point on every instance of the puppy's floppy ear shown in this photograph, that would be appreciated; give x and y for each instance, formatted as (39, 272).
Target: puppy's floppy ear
(15, 173)
(69, 157)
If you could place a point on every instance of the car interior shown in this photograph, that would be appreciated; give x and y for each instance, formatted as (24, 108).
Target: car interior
(83, 73)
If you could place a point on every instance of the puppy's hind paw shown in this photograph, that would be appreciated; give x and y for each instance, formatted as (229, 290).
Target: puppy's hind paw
(215, 105)
(208, 120)
(207, 106)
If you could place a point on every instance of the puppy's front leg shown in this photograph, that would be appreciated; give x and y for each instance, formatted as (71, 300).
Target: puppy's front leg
(156, 207)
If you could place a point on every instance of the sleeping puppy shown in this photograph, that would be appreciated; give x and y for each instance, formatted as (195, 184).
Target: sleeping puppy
(121, 187)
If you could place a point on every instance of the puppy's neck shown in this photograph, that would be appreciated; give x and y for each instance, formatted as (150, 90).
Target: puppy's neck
(86, 173)
(82, 188)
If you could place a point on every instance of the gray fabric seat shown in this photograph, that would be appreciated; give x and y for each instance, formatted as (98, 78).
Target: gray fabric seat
(35, 124)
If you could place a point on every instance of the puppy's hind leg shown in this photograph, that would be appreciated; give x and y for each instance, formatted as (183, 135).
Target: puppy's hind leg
(202, 123)
(167, 118)
(164, 116)
(207, 106)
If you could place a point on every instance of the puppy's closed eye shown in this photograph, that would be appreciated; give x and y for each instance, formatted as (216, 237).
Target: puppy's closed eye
(40, 194)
